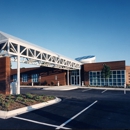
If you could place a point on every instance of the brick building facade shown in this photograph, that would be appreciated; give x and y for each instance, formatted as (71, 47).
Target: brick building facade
(128, 75)
(90, 75)
(5, 75)
(40, 76)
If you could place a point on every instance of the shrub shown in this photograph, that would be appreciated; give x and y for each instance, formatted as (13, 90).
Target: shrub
(9, 97)
(25, 100)
(19, 98)
(38, 98)
(45, 82)
(1, 100)
(50, 97)
(5, 104)
(52, 83)
(28, 95)
(2, 96)
(11, 101)
(32, 101)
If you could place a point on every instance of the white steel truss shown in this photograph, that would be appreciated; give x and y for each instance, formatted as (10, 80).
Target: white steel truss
(32, 54)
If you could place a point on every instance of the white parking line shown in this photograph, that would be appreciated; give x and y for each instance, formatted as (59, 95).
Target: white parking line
(76, 115)
(104, 91)
(86, 90)
(41, 123)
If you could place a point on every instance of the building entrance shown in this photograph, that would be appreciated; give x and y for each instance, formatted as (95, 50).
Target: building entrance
(74, 77)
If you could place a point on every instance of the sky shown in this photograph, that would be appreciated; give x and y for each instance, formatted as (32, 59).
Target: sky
(72, 28)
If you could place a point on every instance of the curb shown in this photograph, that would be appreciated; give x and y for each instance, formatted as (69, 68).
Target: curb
(106, 88)
(9, 114)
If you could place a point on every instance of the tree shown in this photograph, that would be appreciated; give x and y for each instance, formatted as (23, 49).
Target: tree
(106, 72)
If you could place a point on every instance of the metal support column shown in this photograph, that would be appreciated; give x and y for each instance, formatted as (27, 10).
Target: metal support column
(79, 77)
(68, 77)
(18, 73)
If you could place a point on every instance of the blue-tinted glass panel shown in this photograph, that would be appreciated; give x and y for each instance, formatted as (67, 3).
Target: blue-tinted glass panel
(94, 74)
(122, 72)
(114, 76)
(119, 84)
(98, 84)
(102, 80)
(114, 72)
(122, 84)
(123, 76)
(98, 76)
(14, 78)
(90, 73)
(102, 76)
(118, 80)
(114, 83)
(102, 84)
(98, 80)
(118, 72)
(123, 81)
(98, 73)
(114, 80)
(118, 76)
(34, 77)
(110, 76)
(110, 84)
(24, 78)
(110, 80)
(90, 83)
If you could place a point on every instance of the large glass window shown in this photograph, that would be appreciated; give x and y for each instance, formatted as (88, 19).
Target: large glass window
(117, 78)
(34, 77)
(24, 78)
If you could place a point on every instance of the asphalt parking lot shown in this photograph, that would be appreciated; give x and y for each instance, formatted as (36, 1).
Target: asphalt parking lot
(79, 109)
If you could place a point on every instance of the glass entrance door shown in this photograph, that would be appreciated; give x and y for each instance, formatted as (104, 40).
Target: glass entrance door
(74, 77)
(74, 80)
(77, 80)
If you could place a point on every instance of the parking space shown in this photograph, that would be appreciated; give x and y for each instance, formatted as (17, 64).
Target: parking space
(80, 108)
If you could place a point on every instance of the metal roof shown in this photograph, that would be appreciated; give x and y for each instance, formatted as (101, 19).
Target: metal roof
(84, 57)
(32, 54)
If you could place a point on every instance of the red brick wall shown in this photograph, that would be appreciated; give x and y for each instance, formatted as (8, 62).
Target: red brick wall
(114, 65)
(47, 74)
(5, 75)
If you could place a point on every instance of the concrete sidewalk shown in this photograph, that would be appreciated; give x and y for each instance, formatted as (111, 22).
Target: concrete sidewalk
(61, 88)
(71, 87)
(58, 88)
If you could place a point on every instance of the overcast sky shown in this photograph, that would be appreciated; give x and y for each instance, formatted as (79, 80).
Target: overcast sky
(72, 28)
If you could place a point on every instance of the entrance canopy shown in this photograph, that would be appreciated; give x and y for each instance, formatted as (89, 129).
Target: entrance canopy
(32, 54)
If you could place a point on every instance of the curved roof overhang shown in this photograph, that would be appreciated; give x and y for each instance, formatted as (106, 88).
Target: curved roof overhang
(32, 54)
